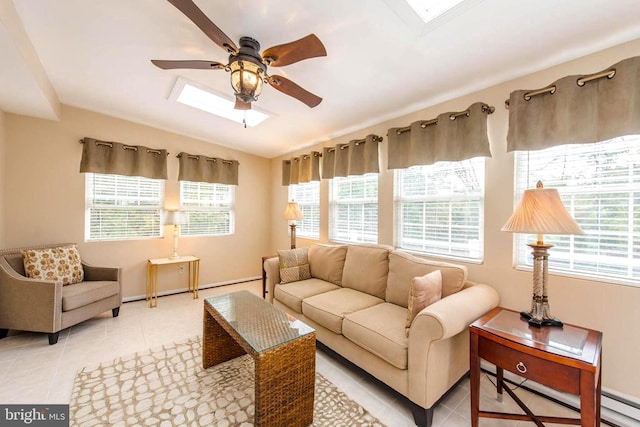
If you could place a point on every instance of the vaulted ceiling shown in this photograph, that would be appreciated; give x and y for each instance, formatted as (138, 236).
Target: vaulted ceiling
(382, 60)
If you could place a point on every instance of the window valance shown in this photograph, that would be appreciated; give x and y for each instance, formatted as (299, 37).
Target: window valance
(577, 109)
(298, 170)
(115, 158)
(452, 136)
(197, 168)
(358, 157)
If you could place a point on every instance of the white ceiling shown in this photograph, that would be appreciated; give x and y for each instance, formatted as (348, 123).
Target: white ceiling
(382, 61)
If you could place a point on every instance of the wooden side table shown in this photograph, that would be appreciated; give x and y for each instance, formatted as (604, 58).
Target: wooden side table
(567, 359)
(152, 275)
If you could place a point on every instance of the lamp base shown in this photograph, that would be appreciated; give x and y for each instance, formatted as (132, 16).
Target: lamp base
(538, 323)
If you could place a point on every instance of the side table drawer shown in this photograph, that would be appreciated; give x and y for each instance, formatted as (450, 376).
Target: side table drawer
(551, 374)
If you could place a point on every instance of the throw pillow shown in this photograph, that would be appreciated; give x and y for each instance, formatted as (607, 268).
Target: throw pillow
(424, 291)
(294, 265)
(60, 264)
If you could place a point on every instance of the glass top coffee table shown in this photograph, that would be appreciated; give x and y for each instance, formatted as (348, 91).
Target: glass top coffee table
(282, 347)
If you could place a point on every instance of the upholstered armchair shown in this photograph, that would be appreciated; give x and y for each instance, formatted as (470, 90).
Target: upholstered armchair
(67, 292)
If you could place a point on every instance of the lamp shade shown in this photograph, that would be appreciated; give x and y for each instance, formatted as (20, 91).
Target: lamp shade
(541, 212)
(175, 218)
(292, 212)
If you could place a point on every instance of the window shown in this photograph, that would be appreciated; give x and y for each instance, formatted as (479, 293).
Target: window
(123, 207)
(600, 187)
(354, 209)
(307, 196)
(209, 208)
(439, 209)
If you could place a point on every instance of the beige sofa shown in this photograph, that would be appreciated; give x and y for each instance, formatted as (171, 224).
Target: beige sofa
(46, 305)
(357, 301)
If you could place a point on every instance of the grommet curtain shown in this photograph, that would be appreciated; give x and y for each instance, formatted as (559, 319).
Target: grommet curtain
(452, 136)
(198, 168)
(298, 170)
(358, 157)
(577, 109)
(115, 158)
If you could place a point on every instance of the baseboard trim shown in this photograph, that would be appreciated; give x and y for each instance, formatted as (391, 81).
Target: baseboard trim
(617, 409)
(201, 287)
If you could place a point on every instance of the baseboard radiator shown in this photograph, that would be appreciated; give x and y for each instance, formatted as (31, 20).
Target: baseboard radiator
(201, 287)
(616, 409)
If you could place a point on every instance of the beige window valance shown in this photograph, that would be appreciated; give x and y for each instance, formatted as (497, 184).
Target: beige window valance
(115, 158)
(452, 136)
(197, 168)
(298, 170)
(358, 157)
(577, 109)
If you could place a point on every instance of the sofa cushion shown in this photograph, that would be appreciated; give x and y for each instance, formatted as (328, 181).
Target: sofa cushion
(292, 294)
(84, 293)
(380, 330)
(366, 268)
(294, 265)
(61, 264)
(328, 309)
(424, 291)
(403, 267)
(327, 262)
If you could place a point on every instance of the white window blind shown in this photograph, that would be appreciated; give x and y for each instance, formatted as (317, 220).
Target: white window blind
(209, 208)
(600, 186)
(122, 207)
(440, 208)
(354, 209)
(307, 196)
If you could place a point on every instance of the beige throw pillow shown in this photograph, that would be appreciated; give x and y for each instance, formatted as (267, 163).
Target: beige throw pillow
(60, 264)
(424, 291)
(294, 265)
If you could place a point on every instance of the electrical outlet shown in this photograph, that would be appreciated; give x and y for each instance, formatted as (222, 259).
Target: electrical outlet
(181, 269)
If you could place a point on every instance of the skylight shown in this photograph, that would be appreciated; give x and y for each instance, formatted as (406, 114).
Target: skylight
(187, 93)
(428, 10)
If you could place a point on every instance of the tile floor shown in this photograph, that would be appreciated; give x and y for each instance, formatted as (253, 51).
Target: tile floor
(31, 371)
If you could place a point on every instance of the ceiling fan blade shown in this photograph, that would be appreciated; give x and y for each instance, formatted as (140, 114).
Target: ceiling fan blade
(198, 65)
(241, 105)
(289, 53)
(288, 87)
(211, 30)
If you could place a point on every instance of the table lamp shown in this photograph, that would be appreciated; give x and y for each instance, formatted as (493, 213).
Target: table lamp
(292, 213)
(175, 218)
(541, 212)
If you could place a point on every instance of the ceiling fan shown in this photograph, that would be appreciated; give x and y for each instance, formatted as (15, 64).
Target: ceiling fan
(247, 66)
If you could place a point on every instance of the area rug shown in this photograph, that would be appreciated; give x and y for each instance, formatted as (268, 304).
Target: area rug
(167, 386)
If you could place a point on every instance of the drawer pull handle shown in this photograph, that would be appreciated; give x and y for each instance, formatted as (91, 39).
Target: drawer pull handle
(521, 368)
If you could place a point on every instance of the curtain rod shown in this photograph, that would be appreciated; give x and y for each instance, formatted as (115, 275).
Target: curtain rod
(485, 109)
(208, 159)
(375, 138)
(124, 147)
(580, 82)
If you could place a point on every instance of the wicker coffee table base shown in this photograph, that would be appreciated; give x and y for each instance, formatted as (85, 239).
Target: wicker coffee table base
(284, 377)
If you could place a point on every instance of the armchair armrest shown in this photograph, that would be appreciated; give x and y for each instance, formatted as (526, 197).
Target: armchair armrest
(29, 304)
(93, 273)
(272, 276)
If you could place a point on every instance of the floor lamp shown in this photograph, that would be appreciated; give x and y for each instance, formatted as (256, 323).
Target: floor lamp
(541, 212)
(292, 213)
(175, 218)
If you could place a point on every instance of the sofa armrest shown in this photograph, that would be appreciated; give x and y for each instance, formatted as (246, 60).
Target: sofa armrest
(272, 270)
(94, 273)
(29, 304)
(453, 314)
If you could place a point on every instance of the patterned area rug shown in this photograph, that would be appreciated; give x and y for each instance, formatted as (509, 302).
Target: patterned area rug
(166, 386)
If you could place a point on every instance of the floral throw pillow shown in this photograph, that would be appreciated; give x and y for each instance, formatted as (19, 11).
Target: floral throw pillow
(60, 264)
(294, 265)
(424, 291)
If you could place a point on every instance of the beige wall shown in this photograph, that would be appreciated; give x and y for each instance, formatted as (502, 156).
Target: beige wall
(3, 140)
(610, 308)
(44, 199)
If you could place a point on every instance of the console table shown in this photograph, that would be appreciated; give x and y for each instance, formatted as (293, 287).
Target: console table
(152, 275)
(566, 359)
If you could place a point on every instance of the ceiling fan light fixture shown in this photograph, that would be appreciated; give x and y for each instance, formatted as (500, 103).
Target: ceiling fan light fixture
(247, 79)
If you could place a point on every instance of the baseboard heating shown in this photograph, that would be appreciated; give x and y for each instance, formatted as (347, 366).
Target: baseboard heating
(617, 410)
(201, 287)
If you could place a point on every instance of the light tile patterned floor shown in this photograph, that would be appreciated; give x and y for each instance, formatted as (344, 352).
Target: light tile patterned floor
(32, 371)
